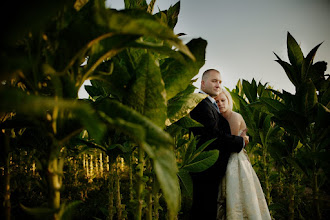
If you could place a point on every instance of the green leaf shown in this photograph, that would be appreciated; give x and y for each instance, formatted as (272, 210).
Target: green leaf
(308, 62)
(166, 171)
(186, 182)
(131, 129)
(322, 117)
(203, 161)
(200, 150)
(137, 22)
(292, 122)
(273, 105)
(180, 107)
(140, 4)
(155, 135)
(105, 47)
(295, 54)
(158, 48)
(14, 100)
(189, 150)
(177, 75)
(147, 94)
(318, 76)
(173, 14)
(40, 212)
(307, 97)
(289, 70)
(119, 80)
(250, 90)
(67, 210)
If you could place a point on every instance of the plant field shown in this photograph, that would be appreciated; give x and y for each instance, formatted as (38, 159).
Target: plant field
(126, 151)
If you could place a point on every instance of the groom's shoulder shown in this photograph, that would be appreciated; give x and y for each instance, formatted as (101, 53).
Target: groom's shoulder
(203, 102)
(202, 105)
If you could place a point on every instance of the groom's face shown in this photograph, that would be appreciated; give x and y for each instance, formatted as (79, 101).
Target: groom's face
(211, 84)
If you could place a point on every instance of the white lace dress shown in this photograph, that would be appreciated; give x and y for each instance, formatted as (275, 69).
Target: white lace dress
(240, 193)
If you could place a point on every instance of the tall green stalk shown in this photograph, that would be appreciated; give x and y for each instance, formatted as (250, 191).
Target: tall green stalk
(54, 176)
(117, 185)
(111, 189)
(130, 173)
(149, 201)
(140, 184)
(156, 196)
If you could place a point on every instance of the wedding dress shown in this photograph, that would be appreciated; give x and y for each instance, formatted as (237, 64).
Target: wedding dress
(240, 192)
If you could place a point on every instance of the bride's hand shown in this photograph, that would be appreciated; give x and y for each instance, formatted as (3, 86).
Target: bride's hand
(246, 139)
(244, 132)
(244, 136)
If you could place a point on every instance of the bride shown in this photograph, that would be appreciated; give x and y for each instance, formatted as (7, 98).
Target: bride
(240, 193)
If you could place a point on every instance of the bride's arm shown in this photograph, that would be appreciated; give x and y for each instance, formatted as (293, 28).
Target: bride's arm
(244, 129)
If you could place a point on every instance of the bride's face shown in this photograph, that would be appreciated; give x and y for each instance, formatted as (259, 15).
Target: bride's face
(222, 102)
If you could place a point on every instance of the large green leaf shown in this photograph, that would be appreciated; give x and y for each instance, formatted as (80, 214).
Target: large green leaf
(292, 122)
(120, 79)
(177, 75)
(203, 161)
(295, 54)
(307, 97)
(186, 182)
(166, 171)
(104, 49)
(158, 48)
(308, 62)
(155, 135)
(133, 130)
(273, 105)
(318, 76)
(139, 4)
(322, 120)
(147, 94)
(181, 106)
(289, 70)
(40, 212)
(14, 100)
(250, 90)
(173, 14)
(139, 22)
(170, 16)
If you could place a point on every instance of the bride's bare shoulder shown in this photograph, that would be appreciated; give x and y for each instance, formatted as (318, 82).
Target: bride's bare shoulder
(237, 116)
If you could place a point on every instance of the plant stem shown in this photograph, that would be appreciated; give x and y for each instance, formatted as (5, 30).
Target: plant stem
(130, 171)
(55, 170)
(140, 184)
(149, 194)
(110, 186)
(118, 200)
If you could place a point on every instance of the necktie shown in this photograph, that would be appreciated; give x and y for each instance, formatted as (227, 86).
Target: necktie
(216, 106)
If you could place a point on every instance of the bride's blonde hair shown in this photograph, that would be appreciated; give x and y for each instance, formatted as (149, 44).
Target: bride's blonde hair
(229, 98)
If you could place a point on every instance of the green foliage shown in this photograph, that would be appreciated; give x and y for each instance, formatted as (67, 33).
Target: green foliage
(130, 55)
(299, 115)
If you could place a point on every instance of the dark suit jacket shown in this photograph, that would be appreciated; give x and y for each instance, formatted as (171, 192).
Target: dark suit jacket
(206, 183)
(215, 126)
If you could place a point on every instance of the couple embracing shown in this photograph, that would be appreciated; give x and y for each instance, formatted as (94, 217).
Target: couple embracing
(230, 188)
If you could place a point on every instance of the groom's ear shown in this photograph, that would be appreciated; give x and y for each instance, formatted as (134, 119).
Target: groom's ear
(202, 84)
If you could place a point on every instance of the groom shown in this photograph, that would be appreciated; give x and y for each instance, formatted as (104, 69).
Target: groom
(206, 183)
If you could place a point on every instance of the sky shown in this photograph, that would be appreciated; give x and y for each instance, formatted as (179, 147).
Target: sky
(243, 35)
